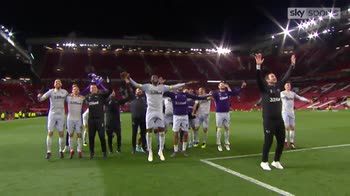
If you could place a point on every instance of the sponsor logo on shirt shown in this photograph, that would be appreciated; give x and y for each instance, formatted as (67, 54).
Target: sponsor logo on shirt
(223, 98)
(154, 92)
(93, 103)
(58, 97)
(180, 102)
(75, 102)
(274, 99)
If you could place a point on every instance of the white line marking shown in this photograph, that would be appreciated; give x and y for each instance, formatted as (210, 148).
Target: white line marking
(247, 178)
(257, 182)
(289, 151)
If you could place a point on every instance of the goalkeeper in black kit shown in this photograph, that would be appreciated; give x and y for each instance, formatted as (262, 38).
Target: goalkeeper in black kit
(271, 106)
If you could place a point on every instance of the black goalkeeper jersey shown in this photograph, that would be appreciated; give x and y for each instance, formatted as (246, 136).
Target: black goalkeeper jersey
(270, 94)
(96, 104)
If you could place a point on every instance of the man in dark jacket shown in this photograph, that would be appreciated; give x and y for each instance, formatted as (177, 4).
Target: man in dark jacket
(113, 124)
(138, 108)
(95, 101)
(273, 123)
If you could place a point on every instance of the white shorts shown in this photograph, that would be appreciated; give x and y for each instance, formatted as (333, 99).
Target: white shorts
(180, 122)
(154, 120)
(168, 120)
(222, 119)
(74, 126)
(55, 121)
(288, 118)
(203, 119)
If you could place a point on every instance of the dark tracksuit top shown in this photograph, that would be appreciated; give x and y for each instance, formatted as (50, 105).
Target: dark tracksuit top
(272, 117)
(113, 112)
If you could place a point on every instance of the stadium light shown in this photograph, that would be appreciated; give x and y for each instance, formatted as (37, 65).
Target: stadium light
(214, 81)
(312, 22)
(330, 15)
(300, 26)
(223, 50)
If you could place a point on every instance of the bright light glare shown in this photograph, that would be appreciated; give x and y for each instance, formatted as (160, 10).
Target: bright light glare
(223, 50)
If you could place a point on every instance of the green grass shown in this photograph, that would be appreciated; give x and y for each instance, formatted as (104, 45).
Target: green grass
(24, 171)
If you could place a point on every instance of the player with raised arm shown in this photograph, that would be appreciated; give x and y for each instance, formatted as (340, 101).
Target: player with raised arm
(222, 104)
(75, 103)
(113, 123)
(57, 98)
(181, 118)
(96, 122)
(193, 120)
(154, 114)
(288, 115)
(273, 123)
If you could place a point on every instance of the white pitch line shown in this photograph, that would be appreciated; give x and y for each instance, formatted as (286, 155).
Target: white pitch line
(249, 179)
(255, 181)
(289, 151)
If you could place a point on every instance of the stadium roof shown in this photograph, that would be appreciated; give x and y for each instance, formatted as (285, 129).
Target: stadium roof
(171, 20)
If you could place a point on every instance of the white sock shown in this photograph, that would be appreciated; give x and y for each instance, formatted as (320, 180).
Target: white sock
(61, 142)
(80, 143)
(176, 148)
(218, 136)
(48, 143)
(161, 141)
(291, 135)
(71, 143)
(205, 135)
(286, 139)
(190, 136)
(184, 145)
(149, 141)
(195, 136)
(227, 137)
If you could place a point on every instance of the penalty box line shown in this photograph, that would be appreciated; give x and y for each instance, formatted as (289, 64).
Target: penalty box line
(255, 181)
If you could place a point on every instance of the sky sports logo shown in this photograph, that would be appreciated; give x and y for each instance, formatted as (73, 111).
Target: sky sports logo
(313, 12)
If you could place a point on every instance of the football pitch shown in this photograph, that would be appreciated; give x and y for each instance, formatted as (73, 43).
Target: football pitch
(319, 165)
